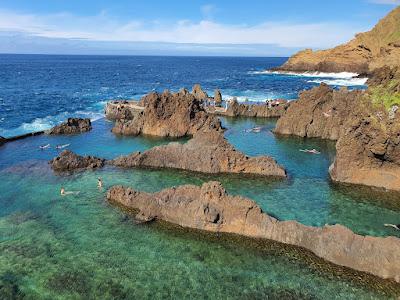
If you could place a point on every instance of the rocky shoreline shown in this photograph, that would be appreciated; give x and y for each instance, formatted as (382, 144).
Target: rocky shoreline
(210, 208)
(365, 53)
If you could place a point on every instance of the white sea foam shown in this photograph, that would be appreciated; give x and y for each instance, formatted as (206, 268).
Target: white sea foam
(342, 82)
(40, 124)
(341, 75)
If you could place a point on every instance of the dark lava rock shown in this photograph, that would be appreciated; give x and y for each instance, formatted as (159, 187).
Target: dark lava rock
(69, 161)
(71, 126)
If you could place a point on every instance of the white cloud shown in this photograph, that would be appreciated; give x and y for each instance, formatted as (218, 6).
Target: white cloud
(103, 27)
(390, 2)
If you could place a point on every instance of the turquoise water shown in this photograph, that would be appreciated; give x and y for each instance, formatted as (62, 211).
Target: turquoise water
(79, 246)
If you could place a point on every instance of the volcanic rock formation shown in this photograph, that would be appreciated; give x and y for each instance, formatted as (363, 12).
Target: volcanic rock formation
(365, 53)
(198, 93)
(368, 151)
(69, 161)
(320, 112)
(168, 114)
(210, 208)
(218, 98)
(206, 152)
(236, 109)
(71, 126)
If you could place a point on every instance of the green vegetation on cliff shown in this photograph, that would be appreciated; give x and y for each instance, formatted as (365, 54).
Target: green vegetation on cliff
(384, 87)
(385, 95)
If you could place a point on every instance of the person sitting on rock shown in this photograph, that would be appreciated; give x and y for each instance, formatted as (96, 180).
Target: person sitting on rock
(397, 227)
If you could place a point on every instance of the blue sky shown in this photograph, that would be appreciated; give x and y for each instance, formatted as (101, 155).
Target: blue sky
(248, 28)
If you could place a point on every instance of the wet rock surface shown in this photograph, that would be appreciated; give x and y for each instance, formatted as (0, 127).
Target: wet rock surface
(210, 208)
(168, 115)
(206, 152)
(68, 161)
(71, 126)
(320, 112)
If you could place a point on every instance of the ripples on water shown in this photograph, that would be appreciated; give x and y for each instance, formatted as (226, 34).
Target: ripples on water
(38, 91)
(80, 246)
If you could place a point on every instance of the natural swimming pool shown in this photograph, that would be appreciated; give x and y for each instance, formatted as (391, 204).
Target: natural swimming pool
(56, 246)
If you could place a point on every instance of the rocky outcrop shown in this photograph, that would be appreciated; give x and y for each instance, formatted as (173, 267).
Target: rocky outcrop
(71, 126)
(218, 98)
(368, 152)
(236, 109)
(69, 161)
(320, 112)
(167, 114)
(210, 208)
(126, 110)
(365, 53)
(206, 152)
(198, 93)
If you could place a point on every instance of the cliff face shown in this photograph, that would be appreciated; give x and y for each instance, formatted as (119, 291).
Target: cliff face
(210, 208)
(320, 112)
(365, 53)
(368, 151)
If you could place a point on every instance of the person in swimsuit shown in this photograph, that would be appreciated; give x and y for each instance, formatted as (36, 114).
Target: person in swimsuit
(99, 183)
(397, 227)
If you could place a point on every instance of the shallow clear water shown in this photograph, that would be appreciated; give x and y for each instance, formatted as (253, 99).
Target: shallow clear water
(76, 246)
(38, 91)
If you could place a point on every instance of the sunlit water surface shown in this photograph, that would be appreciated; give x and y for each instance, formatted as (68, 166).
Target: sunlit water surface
(79, 246)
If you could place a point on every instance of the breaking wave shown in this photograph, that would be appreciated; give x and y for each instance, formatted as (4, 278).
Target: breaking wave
(40, 124)
(341, 75)
(342, 82)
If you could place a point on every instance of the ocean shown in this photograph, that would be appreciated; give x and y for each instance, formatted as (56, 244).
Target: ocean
(81, 247)
(39, 91)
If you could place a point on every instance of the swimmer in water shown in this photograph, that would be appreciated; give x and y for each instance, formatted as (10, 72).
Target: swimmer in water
(397, 227)
(64, 193)
(62, 146)
(44, 146)
(99, 183)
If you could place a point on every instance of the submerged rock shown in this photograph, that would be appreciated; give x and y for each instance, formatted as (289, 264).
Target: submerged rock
(167, 114)
(71, 126)
(2, 140)
(206, 152)
(69, 161)
(210, 208)
(320, 112)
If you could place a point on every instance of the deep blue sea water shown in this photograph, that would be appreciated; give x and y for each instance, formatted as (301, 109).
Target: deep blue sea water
(80, 247)
(37, 91)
